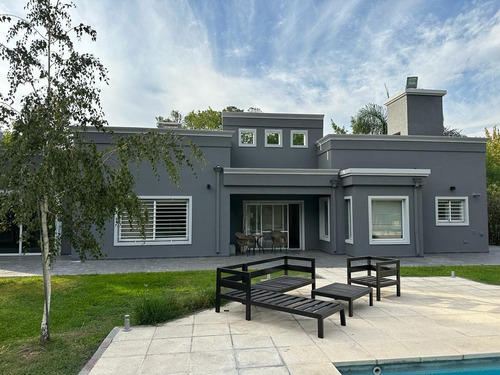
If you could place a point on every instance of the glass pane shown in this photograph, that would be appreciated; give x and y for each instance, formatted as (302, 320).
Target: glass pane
(253, 218)
(278, 217)
(299, 139)
(247, 138)
(347, 219)
(326, 226)
(387, 219)
(273, 138)
(267, 217)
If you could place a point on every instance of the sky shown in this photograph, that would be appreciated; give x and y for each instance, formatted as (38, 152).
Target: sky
(307, 56)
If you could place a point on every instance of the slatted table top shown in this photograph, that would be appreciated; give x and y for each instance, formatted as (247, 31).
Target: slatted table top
(338, 290)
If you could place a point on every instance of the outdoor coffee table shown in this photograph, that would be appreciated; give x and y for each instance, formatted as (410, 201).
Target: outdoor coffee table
(344, 292)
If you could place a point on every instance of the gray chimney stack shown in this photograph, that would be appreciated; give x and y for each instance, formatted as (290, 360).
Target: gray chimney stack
(415, 112)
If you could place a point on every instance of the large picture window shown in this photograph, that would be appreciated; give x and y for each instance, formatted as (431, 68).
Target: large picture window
(169, 222)
(389, 220)
(452, 211)
(324, 218)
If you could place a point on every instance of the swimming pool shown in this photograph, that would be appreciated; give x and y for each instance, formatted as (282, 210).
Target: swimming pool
(485, 366)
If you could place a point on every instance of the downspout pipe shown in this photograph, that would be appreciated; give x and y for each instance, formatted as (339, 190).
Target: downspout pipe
(218, 171)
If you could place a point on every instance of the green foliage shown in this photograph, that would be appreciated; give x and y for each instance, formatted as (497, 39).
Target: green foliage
(86, 308)
(207, 119)
(453, 132)
(371, 119)
(482, 274)
(494, 214)
(338, 129)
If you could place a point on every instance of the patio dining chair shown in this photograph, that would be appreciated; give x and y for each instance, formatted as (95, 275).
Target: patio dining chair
(246, 243)
(280, 240)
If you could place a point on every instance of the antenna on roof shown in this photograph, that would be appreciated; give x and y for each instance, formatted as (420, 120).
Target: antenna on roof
(386, 90)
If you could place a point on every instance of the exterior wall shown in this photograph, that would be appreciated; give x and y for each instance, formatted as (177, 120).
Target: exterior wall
(416, 112)
(204, 225)
(454, 162)
(273, 157)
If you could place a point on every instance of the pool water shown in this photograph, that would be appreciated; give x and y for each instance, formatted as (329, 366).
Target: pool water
(486, 366)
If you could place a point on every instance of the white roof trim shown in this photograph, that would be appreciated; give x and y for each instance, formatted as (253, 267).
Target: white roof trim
(396, 172)
(296, 116)
(398, 138)
(282, 171)
(420, 92)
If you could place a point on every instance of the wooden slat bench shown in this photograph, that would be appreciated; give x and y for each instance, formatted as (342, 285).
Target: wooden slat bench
(237, 286)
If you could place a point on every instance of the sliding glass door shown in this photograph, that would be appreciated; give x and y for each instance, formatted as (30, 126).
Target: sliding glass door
(265, 217)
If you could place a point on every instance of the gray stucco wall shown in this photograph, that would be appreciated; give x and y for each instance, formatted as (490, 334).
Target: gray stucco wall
(452, 161)
(273, 157)
(217, 152)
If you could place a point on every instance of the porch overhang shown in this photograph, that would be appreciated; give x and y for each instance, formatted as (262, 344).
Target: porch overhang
(269, 177)
(383, 176)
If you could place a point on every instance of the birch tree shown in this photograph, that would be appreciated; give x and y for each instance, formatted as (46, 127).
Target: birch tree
(51, 169)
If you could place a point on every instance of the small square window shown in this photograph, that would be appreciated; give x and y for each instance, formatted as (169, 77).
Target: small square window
(247, 137)
(273, 138)
(298, 138)
(452, 211)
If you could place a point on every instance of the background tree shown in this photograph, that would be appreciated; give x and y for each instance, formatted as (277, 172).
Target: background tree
(50, 168)
(371, 119)
(493, 184)
(453, 132)
(338, 129)
(207, 119)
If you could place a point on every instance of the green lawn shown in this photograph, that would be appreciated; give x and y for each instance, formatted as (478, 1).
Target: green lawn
(86, 307)
(84, 310)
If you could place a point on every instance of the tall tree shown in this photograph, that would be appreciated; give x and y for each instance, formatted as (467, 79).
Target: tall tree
(50, 168)
(453, 132)
(371, 119)
(493, 184)
(337, 129)
(207, 119)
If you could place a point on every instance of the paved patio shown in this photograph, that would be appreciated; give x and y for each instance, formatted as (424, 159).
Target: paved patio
(435, 318)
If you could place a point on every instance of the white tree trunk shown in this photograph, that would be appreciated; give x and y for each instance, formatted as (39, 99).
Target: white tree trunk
(45, 247)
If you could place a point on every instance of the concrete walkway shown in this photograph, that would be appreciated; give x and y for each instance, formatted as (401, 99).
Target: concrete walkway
(29, 265)
(434, 319)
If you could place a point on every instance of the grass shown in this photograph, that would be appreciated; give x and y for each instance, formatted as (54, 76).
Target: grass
(86, 307)
(84, 310)
(482, 274)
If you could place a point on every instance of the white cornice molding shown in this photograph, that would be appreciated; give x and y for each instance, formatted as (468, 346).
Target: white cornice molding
(416, 92)
(287, 116)
(282, 171)
(385, 172)
(398, 138)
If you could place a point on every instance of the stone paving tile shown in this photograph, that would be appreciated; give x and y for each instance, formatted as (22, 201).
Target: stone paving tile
(169, 346)
(292, 338)
(313, 369)
(302, 354)
(345, 354)
(252, 341)
(211, 329)
(127, 348)
(173, 330)
(274, 370)
(136, 333)
(212, 361)
(118, 365)
(261, 357)
(209, 343)
(173, 363)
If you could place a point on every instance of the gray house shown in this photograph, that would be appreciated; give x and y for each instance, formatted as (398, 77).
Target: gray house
(410, 193)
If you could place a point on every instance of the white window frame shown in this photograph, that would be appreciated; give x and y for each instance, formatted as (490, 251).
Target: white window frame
(140, 241)
(253, 131)
(405, 225)
(350, 237)
(272, 131)
(465, 202)
(306, 138)
(324, 216)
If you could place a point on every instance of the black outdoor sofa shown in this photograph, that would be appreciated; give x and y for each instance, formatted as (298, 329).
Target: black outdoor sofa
(235, 283)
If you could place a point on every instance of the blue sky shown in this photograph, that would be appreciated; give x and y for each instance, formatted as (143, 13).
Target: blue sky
(329, 57)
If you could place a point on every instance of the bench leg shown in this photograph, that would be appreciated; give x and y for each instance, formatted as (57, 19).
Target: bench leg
(248, 311)
(342, 317)
(378, 294)
(371, 298)
(351, 308)
(398, 290)
(321, 333)
(217, 303)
